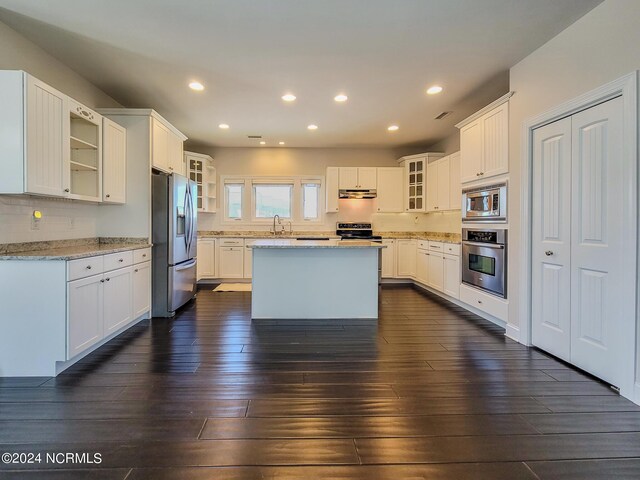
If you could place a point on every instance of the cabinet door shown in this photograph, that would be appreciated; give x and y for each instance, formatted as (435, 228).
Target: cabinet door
(348, 177)
(471, 151)
(367, 177)
(432, 186)
(159, 146)
(406, 258)
(114, 162)
(495, 131)
(415, 181)
(390, 189)
(389, 259)
(331, 189)
(231, 262)
(175, 152)
(248, 259)
(141, 289)
(455, 191)
(118, 299)
(422, 266)
(85, 299)
(47, 138)
(443, 184)
(206, 258)
(436, 271)
(451, 284)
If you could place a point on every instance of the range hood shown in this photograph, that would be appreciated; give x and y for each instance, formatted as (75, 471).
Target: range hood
(357, 193)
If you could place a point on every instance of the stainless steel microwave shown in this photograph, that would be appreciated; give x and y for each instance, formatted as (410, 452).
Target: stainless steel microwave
(485, 204)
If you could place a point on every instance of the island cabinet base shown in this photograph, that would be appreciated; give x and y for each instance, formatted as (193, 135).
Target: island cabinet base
(314, 283)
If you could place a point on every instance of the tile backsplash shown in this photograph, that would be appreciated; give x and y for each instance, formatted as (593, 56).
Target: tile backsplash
(61, 219)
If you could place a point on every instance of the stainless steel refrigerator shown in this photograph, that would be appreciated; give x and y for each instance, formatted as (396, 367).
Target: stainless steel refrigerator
(174, 225)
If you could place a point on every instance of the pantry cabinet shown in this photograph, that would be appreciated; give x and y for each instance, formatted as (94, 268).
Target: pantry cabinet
(484, 143)
(390, 191)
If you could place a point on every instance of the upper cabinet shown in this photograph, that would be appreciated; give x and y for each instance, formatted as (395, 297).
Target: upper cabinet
(49, 143)
(357, 178)
(201, 170)
(331, 189)
(166, 147)
(114, 162)
(415, 167)
(390, 191)
(484, 142)
(443, 184)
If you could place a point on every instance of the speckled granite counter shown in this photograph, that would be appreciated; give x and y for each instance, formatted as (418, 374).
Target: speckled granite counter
(70, 249)
(433, 236)
(290, 243)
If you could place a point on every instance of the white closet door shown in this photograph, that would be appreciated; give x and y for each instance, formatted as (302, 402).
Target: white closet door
(601, 312)
(551, 246)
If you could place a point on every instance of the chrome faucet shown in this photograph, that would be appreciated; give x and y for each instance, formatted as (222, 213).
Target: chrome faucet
(275, 232)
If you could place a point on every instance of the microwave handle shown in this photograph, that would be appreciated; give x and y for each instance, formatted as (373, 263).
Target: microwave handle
(495, 246)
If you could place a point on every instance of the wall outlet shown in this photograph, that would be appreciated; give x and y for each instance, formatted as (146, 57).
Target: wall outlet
(36, 220)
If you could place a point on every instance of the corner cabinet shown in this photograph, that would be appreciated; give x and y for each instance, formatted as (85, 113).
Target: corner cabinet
(484, 142)
(200, 169)
(415, 167)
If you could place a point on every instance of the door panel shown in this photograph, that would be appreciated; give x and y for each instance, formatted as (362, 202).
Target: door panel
(141, 289)
(182, 284)
(179, 220)
(471, 152)
(551, 248)
(600, 325)
(348, 177)
(118, 308)
(495, 142)
(85, 311)
(367, 177)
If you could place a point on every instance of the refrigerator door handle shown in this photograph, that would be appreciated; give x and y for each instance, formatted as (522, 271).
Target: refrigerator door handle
(187, 207)
(189, 202)
(185, 266)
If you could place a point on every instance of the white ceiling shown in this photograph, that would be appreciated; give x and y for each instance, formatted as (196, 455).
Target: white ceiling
(248, 53)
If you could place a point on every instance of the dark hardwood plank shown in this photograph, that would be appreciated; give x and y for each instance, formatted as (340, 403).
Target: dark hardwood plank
(585, 422)
(614, 469)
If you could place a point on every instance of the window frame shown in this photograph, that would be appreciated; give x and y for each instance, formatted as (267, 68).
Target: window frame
(256, 182)
(242, 185)
(318, 217)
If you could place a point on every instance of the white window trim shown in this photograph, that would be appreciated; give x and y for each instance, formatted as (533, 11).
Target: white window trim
(255, 182)
(248, 199)
(234, 181)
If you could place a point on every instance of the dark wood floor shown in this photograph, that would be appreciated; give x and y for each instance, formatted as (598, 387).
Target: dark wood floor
(431, 392)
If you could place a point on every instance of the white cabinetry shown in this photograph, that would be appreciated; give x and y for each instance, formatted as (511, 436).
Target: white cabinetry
(231, 258)
(85, 308)
(455, 189)
(331, 189)
(436, 270)
(484, 146)
(451, 283)
(390, 190)
(422, 264)
(166, 147)
(248, 258)
(357, 177)
(118, 299)
(141, 289)
(175, 154)
(443, 184)
(201, 170)
(84, 152)
(114, 162)
(206, 265)
(415, 180)
(389, 258)
(406, 258)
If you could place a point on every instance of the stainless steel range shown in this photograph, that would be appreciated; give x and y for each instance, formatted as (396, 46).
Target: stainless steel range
(484, 259)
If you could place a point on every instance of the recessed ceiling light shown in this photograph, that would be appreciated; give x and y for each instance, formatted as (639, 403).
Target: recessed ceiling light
(312, 127)
(263, 143)
(435, 89)
(197, 86)
(289, 97)
(393, 128)
(223, 126)
(340, 98)
(280, 143)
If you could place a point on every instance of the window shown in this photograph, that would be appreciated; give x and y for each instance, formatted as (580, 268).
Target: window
(272, 199)
(310, 201)
(233, 200)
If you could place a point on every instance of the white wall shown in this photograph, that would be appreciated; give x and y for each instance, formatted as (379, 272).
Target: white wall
(63, 219)
(314, 161)
(598, 48)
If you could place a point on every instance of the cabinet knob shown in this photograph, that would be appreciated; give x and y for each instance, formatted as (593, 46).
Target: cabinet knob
(479, 301)
(136, 270)
(548, 253)
(170, 168)
(67, 190)
(144, 255)
(120, 260)
(107, 279)
(88, 267)
(102, 281)
(108, 195)
(481, 173)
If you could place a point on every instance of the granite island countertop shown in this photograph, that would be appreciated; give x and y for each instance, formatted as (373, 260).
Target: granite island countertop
(432, 236)
(70, 249)
(291, 243)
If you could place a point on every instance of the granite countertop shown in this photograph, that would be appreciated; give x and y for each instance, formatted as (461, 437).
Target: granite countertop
(433, 236)
(70, 249)
(288, 243)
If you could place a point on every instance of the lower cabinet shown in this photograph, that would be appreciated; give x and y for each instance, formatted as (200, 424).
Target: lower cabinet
(435, 278)
(85, 313)
(422, 266)
(141, 289)
(206, 265)
(406, 258)
(231, 262)
(248, 258)
(389, 259)
(451, 285)
(118, 299)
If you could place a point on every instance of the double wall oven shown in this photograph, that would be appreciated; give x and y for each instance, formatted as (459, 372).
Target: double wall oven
(484, 259)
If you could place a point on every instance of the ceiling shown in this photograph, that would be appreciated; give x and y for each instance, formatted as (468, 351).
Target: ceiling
(383, 54)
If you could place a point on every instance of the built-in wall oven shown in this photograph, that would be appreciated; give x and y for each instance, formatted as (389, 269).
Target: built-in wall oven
(485, 204)
(484, 260)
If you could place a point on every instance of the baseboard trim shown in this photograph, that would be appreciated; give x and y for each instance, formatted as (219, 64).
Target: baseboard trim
(512, 332)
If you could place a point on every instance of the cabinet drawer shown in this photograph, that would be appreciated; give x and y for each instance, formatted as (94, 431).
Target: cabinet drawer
(452, 249)
(436, 246)
(141, 255)
(423, 244)
(84, 267)
(231, 242)
(490, 304)
(118, 260)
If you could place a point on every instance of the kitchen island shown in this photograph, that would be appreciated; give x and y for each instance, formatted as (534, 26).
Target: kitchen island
(314, 279)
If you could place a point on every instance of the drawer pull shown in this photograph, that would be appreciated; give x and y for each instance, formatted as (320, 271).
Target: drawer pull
(136, 270)
(479, 301)
(121, 260)
(144, 255)
(88, 267)
(102, 281)
(107, 279)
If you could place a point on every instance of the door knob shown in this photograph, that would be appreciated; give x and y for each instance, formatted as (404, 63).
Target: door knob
(548, 253)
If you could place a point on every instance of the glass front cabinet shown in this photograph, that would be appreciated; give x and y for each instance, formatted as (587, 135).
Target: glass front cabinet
(416, 179)
(201, 170)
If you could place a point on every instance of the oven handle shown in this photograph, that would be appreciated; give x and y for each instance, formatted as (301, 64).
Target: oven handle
(495, 246)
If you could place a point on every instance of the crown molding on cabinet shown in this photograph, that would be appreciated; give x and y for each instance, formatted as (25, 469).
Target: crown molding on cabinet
(486, 109)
